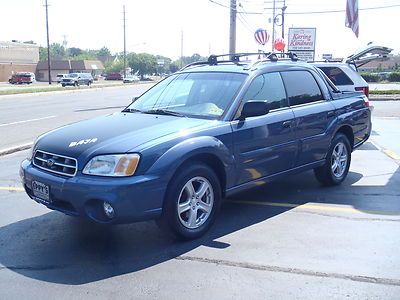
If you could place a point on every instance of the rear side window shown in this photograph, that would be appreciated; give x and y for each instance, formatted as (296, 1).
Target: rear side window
(301, 87)
(268, 87)
(337, 76)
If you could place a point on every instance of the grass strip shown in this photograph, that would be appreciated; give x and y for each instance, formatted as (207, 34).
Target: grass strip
(388, 92)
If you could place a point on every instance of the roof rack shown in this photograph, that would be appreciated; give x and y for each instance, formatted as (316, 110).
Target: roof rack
(235, 58)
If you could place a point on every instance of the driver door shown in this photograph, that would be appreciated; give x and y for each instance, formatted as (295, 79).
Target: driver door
(265, 145)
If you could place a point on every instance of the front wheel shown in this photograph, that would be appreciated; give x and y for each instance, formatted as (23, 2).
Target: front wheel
(76, 83)
(337, 163)
(192, 201)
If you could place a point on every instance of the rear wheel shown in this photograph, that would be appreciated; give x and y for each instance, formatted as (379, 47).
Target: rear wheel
(192, 201)
(63, 85)
(337, 163)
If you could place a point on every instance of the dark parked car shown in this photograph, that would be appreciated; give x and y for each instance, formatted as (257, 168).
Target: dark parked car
(212, 129)
(114, 76)
(77, 79)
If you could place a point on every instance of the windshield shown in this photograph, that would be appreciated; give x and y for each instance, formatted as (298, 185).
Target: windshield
(73, 75)
(192, 94)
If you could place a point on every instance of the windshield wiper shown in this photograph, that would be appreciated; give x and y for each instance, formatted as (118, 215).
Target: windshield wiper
(131, 110)
(163, 112)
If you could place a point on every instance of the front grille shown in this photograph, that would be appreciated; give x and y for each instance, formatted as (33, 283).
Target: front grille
(66, 80)
(55, 163)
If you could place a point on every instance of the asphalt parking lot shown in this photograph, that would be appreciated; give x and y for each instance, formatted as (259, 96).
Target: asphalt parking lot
(287, 239)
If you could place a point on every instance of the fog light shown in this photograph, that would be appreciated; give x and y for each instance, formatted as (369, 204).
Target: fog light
(108, 210)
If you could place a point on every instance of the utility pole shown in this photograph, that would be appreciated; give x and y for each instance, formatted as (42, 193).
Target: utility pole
(232, 28)
(182, 49)
(273, 25)
(124, 44)
(48, 42)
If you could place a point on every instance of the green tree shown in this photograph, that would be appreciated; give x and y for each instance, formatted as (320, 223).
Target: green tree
(164, 67)
(185, 60)
(73, 51)
(104, 52)
(57, 51)
(114, 66)
(143, 63)
(42, 53)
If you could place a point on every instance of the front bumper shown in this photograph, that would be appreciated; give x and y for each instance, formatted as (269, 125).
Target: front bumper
(133, 198)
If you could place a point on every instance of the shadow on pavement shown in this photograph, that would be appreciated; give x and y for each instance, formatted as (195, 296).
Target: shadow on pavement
(61, 249)
(57, 248)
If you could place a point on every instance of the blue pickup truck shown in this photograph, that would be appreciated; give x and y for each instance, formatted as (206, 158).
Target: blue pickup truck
(210, 130)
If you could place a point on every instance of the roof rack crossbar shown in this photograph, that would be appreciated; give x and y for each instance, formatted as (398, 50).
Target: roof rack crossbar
(235, 58)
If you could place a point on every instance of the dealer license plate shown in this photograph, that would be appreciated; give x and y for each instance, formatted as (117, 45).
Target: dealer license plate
(41, 191)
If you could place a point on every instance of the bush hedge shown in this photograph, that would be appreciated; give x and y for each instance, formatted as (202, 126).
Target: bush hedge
(394, 77)
(370, 77)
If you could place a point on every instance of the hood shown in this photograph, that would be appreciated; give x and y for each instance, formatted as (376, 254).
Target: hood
(368, 54)
(116, 133)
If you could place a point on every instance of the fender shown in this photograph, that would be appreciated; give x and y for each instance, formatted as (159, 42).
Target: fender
(169, 162)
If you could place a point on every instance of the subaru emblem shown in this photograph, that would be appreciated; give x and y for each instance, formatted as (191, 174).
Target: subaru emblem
(50, 162)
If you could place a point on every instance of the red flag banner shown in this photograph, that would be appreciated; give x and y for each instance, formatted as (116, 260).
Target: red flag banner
(352, 15)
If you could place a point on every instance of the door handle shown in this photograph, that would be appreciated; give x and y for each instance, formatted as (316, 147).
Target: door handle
(331, 113)
(287, 124)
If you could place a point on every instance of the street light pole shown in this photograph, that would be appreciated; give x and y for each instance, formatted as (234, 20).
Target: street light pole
(273, 25)
(283, 19)
(48, 43)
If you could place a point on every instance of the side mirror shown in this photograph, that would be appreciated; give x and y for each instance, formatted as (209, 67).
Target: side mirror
(135, 98)
(254, 108)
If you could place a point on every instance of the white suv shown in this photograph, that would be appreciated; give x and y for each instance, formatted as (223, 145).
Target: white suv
(344, 73)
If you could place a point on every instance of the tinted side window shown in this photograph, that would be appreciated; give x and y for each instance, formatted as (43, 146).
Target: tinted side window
(301, 87)
(267, 87)
(337, 76)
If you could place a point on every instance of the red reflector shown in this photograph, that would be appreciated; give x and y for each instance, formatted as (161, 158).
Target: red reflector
(364, 89)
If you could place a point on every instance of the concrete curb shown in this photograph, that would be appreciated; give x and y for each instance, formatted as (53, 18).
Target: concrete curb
(14, 149)
(393, 97)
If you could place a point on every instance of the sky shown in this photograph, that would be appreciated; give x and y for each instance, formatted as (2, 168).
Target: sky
(156, 26)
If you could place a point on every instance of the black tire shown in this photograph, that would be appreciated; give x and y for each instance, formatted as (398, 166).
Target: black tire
(174, 222)
(328, 174)
(76, 83)
(89, 83)
(63, 85)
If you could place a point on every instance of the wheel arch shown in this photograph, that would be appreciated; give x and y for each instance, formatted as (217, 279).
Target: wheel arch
(206, 149)
(210, 160)
(347, 130)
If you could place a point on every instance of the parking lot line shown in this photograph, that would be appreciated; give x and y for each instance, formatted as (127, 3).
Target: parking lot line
(313, 206)
(11, 189)
(307, 206)
(392, 154)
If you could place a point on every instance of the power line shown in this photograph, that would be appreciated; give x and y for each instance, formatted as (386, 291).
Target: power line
(341, 10)
(308, 12)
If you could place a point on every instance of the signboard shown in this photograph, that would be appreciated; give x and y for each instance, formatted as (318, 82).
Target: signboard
(302, 42)
(327, 56)
(305, 55)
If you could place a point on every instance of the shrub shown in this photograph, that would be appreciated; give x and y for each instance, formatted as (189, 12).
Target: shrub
(394, 77)
(370, 77)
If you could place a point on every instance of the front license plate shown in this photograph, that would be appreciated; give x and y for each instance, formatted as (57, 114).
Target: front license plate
(41, 191)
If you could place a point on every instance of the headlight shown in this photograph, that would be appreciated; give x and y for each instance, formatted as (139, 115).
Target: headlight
(117, 165)
(30, 151)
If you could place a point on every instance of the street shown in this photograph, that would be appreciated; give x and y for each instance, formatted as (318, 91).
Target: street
(287, 239)
(24, 117)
